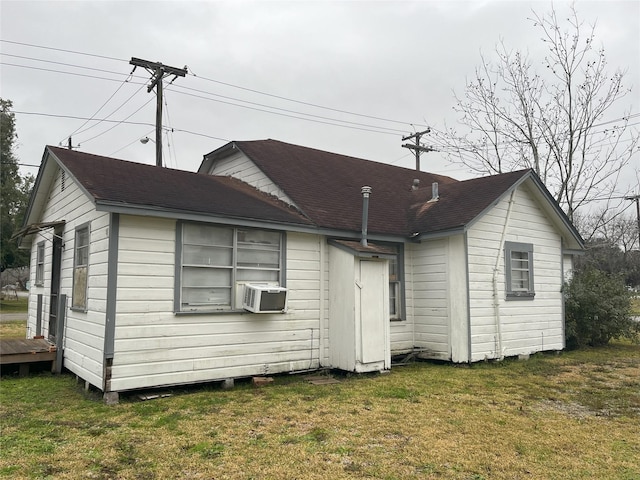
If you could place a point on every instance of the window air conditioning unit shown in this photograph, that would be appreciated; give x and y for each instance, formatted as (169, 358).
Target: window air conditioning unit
(261, 298)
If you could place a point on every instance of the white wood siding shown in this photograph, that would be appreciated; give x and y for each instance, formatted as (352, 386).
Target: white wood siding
(84, 331)
(526, 326)
(241, 167)
(430, 298)
(155, 347)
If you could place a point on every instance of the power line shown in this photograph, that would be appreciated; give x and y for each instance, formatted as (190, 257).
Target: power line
(117, 123)
(374, 129)
(72, 65)
(97, 111)
(287, 115)
(303, 102)
(114, 111)
(76, 117)
(284, 109)
(131, 143)
(280, 97)
(66, 73)
(63, 50)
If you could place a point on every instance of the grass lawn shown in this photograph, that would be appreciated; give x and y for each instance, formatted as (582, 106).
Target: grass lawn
(9, 305)
(13, 329)
(569, 416)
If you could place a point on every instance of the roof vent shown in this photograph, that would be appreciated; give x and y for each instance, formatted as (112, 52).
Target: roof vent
(366, 191)
(416, 184)
(434, 192)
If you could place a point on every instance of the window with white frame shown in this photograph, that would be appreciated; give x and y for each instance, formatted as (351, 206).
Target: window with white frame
(40, 264)
(213, 259)
(80, 268)
(519, 270)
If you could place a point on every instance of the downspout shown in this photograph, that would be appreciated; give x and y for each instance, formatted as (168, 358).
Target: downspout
(496, 299)
(366, 191)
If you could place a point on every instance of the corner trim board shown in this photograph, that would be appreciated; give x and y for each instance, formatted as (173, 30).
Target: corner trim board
(112, 286)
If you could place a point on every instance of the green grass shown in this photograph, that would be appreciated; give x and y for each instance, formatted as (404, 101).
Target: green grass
(569, 416)
(635, 306)
(13, 329)
(14, 306)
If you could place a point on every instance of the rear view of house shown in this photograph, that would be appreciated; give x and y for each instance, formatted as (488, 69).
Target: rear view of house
(273, 258)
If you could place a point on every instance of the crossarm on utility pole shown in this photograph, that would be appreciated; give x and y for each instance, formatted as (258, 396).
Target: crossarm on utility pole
(417, 148)
(158, 72)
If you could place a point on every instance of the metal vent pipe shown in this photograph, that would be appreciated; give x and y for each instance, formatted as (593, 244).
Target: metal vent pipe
(366, 192)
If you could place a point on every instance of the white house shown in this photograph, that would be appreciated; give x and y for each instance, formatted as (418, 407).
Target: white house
(155, 276)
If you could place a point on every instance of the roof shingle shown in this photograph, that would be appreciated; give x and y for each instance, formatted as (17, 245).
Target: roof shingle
(147, 186)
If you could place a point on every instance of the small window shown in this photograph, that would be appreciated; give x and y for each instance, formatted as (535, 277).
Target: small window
(519, 270)
(80, 268)
(40, 264)
(395, 310)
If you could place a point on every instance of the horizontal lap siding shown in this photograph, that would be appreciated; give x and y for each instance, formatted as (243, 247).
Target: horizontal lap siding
(84, 331)
(155, 347)
(429, 282)
(527, 326)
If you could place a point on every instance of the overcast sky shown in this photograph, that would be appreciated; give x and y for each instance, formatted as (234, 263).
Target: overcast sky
(264, 69)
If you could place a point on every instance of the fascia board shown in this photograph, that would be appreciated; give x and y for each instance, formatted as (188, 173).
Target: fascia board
(564, 220)
(505, 194)
(209, 158)
(43, 181)
(439, 234)
(552, 205)
(72, 177)
(149, 211)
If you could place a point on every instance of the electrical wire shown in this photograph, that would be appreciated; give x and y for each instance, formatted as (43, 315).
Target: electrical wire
(117, 123)
(63, 50)
(114, 111)
(132, 142)
(66, 73)
(76, 117)
(96, 113)
(287, 110)
(305, 103)
(72, 65)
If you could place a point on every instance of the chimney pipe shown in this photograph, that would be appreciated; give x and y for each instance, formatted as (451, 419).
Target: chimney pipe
(366, 191)
(434, 192)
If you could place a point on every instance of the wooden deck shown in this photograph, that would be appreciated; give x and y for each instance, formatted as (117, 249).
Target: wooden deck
(25, 351)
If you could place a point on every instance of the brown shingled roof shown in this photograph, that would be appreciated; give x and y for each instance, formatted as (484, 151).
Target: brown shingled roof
(460, 203)
(112, 181)
(326, 186)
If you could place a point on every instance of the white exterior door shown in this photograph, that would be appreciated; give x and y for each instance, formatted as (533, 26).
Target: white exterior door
(374, 312)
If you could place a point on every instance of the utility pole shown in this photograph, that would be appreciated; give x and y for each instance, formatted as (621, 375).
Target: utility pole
(158, 72)
(417, 148)
(636, 198)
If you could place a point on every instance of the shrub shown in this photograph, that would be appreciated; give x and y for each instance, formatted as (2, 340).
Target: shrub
(597, 309)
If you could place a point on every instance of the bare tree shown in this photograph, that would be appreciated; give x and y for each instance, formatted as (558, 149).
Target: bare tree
(552, 121)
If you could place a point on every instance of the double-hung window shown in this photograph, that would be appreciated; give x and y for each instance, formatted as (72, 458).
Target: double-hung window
(80, 268)
(40, 263)
(519, 270)
(213, 259)
(396, 291)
